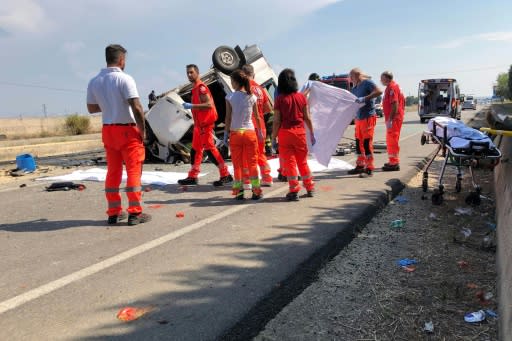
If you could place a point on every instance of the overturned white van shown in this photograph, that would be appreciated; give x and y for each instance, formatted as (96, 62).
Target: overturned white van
(169, 134)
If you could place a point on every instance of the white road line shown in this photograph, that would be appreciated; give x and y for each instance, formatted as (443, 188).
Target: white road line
(33, 294)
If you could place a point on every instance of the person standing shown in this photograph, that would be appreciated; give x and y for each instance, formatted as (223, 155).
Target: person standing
(306, 88)
(152, 99)
(205, 115)
(114, 93)
(393, 106)
(241, 111)
(291, 112)
(366, 119)
(264, 106)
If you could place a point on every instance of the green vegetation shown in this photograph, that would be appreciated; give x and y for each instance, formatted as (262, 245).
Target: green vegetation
(411, 100)
(77, 125)
(503, 83)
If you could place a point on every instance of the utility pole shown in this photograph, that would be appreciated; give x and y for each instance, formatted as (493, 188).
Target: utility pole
(44, 111)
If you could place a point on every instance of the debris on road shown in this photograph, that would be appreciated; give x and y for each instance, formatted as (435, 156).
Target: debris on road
(65, 186)
(398, 223)
(401, 199)
(475, 317)
(462, 264)
(429, 327)
(459, 211)
(180, 214)
(129, 314)
(491, 313)
(407, 262)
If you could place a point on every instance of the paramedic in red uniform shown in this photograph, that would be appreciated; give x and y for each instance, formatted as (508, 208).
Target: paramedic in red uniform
(393, 106)
(366, 119)
(291, 113)
(114, 93)
(264, 106)
(205, 115)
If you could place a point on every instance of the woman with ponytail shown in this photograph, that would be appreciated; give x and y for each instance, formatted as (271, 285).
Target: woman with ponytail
(241, 106)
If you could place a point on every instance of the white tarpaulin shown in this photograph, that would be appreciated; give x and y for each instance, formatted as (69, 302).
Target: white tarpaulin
(332, 110)
(99, 174)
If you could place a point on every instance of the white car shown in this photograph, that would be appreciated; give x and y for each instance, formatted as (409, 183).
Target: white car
(169, 135)
(469, 103)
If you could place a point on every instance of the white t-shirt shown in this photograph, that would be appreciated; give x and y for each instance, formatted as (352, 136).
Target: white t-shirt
(242, 105)
(111, 89)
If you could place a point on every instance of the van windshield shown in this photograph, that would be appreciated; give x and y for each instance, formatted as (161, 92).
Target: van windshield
(469, 98)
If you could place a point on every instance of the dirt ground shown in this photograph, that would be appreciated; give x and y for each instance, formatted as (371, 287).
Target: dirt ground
(362, 294)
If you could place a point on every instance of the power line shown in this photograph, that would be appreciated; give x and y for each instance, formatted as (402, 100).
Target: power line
(24, 85)
(459, 71)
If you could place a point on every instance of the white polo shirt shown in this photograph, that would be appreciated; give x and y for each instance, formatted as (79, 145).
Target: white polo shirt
(111, 89)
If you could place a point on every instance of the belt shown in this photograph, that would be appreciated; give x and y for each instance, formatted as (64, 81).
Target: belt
(120, 124)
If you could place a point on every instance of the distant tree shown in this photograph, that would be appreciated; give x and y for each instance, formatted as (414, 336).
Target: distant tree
(502, 86)
(411, 100)
(510, 82)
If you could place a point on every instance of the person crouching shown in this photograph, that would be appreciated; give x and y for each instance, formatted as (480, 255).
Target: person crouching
(241, 108)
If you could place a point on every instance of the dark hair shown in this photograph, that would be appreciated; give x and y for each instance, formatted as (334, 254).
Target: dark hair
(113, 52)
(388, 75)
(241, 78)
(193, 66)
(314, 77)
(287, 83)
(248, 69)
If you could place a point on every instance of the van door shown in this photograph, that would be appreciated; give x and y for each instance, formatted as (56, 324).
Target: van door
(421, 99)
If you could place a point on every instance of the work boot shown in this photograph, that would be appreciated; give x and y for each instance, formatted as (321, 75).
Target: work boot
(257, 194)
(136, 219)
(357, 170)
(292, 196)
(114, 219)
(188, 181)
(390, 168)
(239, 195)
(223, 180)
(281, 177)
(366, 173)
(311, 193)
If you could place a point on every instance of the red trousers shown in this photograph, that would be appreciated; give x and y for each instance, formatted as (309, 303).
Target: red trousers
(244, 155)
(123, 144)
(293, 150)
(262, 162)
(202, 139)
(392, 140)
(365, 130)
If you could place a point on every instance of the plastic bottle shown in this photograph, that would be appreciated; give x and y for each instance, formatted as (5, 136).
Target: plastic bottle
(399, 223)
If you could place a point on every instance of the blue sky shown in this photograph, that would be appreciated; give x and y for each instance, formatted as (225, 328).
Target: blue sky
(57, 44)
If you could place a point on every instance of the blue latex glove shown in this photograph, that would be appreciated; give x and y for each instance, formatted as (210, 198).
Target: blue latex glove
(274, 144)
(360, 100)
(187, 105)
(313, 139)
(260, 135)
(225, 139)
(389, 124)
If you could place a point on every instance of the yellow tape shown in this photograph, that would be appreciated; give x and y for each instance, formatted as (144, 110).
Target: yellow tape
(507, 133)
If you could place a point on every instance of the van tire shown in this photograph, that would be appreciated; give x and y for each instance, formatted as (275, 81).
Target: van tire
(225, 59)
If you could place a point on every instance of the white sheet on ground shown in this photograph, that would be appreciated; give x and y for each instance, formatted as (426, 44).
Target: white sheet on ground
(332, 110)
(99, 174)
(314, 166)
(459, 135)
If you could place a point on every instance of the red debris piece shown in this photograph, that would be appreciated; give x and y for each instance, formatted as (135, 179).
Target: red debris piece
(128, 314)
(155, 207)
(148, 189)
(472, 286)
(409, 268)
(180, 214)
(462, 264)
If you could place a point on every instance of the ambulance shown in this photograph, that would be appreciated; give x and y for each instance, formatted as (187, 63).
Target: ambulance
(439, 97)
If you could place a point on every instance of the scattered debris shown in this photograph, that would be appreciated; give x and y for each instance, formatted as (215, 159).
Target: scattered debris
(409, 268)
(155, 207)
(407, 262)
(159, 169)
(162, 322)
(23, 185)
(401, 199)
(475, 317)
(433, 216)
(131, 313)
(463, 211)
(472, 286)
(484, 297)
(465, 233)
(65, 186)
(147, 189)
(180, 214)
(491, 313)
(429, 327)
(491, 226)
(399, 223)
(462, 264)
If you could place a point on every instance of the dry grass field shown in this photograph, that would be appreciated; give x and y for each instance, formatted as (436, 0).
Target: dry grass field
(34, 127)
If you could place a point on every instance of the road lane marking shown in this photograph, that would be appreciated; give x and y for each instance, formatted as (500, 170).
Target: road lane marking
(50, 287)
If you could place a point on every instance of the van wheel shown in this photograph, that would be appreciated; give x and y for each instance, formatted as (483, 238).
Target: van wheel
(225, 59)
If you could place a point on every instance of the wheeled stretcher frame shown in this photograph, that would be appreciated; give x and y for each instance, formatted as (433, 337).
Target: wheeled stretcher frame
(459, 158)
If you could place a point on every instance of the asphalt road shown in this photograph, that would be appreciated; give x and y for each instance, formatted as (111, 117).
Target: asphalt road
(65, 274)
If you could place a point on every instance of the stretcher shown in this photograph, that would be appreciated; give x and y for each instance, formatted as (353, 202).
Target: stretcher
(460, 146)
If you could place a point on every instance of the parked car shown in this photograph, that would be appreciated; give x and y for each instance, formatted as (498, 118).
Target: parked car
(469, 102)
(378, 106)
(438, 97)
(170, 125)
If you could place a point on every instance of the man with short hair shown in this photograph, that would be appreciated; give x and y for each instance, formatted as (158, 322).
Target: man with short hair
(114, 93)
(264, 106)
(366, 91)
(152, 99)
(393, 107)
(204, 114)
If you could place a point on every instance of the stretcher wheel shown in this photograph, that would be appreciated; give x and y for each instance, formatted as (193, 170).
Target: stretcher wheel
(423, 139)
(424, 185)
(473, 199)
(458, 186)
(437, 198)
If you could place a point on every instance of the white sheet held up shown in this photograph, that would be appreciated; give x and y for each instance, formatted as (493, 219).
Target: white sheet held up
(332, 110)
